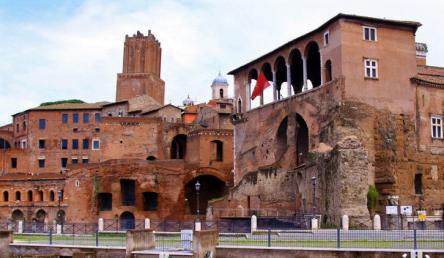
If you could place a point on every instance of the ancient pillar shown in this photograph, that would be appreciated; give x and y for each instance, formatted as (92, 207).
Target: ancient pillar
(20, 226)
(304, 72)
(377, 222)
(275, 96)
(136, 240)
(147, 223)
(100, 224)
(345, 222)
(288, 80)
(253, 223)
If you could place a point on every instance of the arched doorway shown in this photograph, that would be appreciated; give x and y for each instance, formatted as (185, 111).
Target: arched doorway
(210, 188)
(61, 217)
(179, 146)
(127, 221)
(40, 216)
(17, 215)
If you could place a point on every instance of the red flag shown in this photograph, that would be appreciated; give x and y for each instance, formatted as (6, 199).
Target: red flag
(261, 84)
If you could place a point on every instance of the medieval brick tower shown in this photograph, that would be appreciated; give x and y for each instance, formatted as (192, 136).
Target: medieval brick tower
(141, 69)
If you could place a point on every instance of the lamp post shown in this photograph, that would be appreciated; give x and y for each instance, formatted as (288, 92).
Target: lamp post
(59, 214)
(313, 181)
(197, 185)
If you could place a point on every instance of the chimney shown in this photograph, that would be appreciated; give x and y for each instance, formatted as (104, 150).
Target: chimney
(421, 53)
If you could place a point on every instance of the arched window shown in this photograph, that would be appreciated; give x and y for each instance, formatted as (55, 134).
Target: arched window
(29, 196)
(4, 144)
(328, 75)
(218, 150)
(221, 93)
(41, 195)
(51, 196)
(17, 196)
(239, 105)
(6, 196)
(313, 63)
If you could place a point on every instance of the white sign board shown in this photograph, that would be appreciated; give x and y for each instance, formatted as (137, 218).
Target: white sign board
(406, 210)
(392, 210)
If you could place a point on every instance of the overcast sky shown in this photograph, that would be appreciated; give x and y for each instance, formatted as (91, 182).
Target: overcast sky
(54, 50)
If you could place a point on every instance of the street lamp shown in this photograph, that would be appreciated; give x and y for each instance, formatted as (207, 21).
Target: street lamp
(197, 185)
(313, 181)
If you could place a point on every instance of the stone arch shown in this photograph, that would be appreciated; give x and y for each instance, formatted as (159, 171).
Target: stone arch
(302, 139)
(127, 220)
(296, 70)
(281, 76)
(4, 144)
(211, 187)
(5, 196)
(281, 138)
(40, 216)
(179, 146)
(313, 63)
(328, 76)
(17, 215)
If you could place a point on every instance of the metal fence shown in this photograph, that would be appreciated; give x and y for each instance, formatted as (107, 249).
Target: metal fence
(336, 238)
(396, 222)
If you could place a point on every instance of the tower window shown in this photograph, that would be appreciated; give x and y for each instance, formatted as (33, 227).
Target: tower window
(436, 126)
(371, 68)
(13, 162)
(326, 38)
(221, 93)
(369, 33)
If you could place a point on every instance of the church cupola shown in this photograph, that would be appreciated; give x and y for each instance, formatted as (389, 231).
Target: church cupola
(219, 87)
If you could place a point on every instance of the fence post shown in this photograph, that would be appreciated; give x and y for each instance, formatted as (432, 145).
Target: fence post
(338, 238)
(414, 239)
(269, 237)
(50, 236)
(97, 236)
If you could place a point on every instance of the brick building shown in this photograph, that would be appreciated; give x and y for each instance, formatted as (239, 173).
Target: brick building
(130, 159)
(353, 104)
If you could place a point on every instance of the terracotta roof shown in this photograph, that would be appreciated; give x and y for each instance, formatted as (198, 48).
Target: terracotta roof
(146, 111)
(67, 106)
(409, 24)
(24, 176)
(431, 75)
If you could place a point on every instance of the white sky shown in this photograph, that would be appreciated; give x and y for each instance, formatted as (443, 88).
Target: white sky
(54, 50)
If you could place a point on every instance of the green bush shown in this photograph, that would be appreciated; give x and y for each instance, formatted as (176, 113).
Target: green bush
(61, 102)
(372, 198)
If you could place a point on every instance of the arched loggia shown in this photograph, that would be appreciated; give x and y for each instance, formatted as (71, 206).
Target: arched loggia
(268, 92)
(296, 70)
(313, 63)
(281, 76)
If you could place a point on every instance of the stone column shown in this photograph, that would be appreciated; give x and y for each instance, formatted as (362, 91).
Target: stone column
(253, 223)
(288, 80)
(204, 243)
(101, 224)
(136, 240)
(248, 98)
(304, 72)
(20, 226)
(5, 240)
(147, 223)
(321, 69)
(345, 222)
(275, 96)
(377, 222)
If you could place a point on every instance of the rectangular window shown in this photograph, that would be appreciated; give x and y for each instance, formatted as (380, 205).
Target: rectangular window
(64, 162)
(326, 38)
(42, 124)
(74, 160)
(41, 163)
(96, 144)
(85, 118)
(41, 144)
(128, 192)
(97, 130)
(371, 68)
(105, 201)
(149, 201)
(98, 117)
(436, 122)
(75, 118)
(64, 144)
(85, 160)
(65, 118)
(418, 184)
(85, 144)
(75, 144)
(369, 33)
(13, 162)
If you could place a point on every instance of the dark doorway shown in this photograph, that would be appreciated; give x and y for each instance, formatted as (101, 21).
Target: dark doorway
(179, 146)
(127, 221)
(17, 215)
(4, 144)
(302, 140)
(149, 201)
(328, 74)
(210, 188)
(128, 192)
(105, 201)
